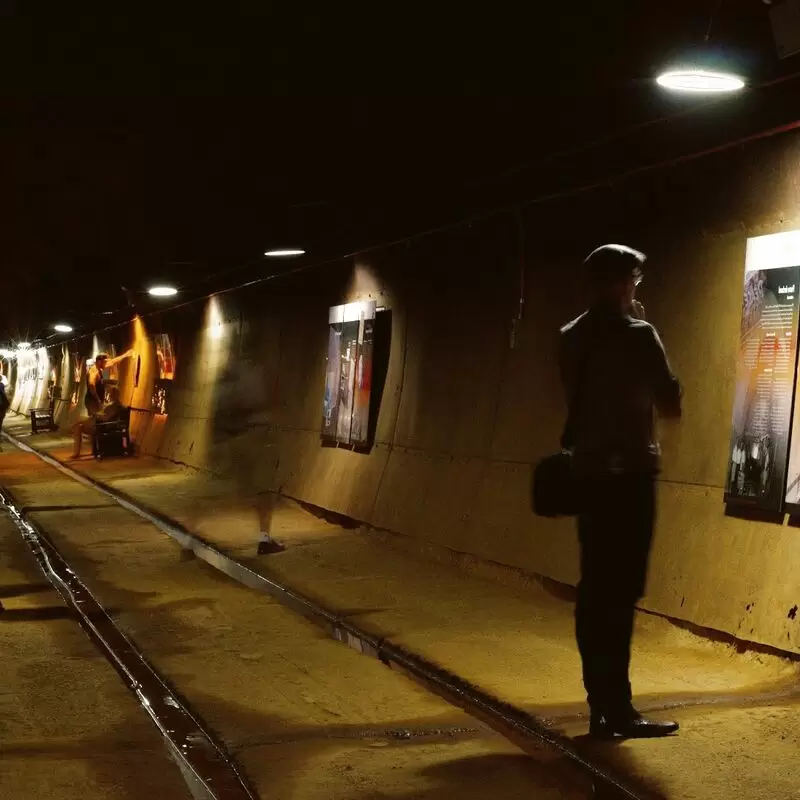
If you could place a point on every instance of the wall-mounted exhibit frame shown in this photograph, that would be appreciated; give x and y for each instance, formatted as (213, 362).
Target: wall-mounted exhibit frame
(165, 356)
(764, 452)
(348, 375)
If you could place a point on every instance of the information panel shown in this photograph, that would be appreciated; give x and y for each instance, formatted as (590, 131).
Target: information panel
(348, 380)
(765, 374)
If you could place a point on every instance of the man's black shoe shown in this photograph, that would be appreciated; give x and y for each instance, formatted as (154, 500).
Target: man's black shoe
(630, 726)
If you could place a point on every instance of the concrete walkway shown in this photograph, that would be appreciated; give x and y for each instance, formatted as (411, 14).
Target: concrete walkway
(508, 635)
(69, 728)
(305, 717)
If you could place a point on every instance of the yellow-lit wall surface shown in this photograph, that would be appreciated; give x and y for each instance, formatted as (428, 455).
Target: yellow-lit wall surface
(471, 397)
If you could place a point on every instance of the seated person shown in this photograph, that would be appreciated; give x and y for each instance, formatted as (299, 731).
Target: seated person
(111, 411)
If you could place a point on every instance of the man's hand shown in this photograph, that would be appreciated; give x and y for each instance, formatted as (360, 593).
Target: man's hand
(637, 310)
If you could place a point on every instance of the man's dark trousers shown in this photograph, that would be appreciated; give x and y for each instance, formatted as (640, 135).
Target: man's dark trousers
(615, 530)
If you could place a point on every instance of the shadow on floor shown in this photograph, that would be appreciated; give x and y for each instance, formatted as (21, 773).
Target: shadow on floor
(20, 589)
(613, 756)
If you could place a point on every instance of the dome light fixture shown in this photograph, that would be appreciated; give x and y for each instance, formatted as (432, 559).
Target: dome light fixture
(284, 253)
(700, 81)
(162, 291)
(62, 328)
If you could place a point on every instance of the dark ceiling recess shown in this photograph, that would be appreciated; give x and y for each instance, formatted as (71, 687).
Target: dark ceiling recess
(178, 147)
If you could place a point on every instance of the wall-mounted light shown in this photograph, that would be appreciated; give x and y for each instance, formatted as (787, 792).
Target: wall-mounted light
(62, 328)
(700, 81)
(162, 291)
(284, 253)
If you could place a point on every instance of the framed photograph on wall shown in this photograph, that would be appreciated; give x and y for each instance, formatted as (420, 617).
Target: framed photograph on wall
(348, 374)
(165, 356)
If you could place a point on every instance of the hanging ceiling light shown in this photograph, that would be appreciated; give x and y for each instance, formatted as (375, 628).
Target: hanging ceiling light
(162, 291)
(705, 66)
(284, 253)
(700, 81)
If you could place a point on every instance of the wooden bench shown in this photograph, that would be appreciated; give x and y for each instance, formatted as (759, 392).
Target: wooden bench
(43, 419)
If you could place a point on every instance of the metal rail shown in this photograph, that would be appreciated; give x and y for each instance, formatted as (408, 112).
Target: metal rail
(208, 771)
(513, 723)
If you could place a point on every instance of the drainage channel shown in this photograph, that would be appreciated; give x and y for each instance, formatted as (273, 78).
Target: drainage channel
(516, 725)
(208, 771)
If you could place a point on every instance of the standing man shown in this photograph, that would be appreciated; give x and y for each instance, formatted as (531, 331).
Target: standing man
(95, 397)
(615, 374)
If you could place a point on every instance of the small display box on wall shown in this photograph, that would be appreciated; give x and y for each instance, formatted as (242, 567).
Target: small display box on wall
(348, 379)
(165, 355)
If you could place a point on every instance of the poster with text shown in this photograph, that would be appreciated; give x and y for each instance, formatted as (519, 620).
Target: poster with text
(345, 416)
(765, 374)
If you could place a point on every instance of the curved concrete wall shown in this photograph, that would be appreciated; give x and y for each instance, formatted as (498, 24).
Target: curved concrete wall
(470, 396)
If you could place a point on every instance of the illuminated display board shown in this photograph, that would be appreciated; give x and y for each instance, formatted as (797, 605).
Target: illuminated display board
(348, 378)
(759, 453)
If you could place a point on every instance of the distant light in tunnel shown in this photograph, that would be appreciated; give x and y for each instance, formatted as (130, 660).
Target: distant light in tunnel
(62, 328)
(283, 253)
(23, 345)
(162, 291)
(700, 81)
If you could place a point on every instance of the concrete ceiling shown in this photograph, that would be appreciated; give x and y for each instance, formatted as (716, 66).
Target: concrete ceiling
(133, 143)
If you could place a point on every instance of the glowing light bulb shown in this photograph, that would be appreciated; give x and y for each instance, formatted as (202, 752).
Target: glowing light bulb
(162, 291)
(62, 328)
(699, 81)
(283, 253)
